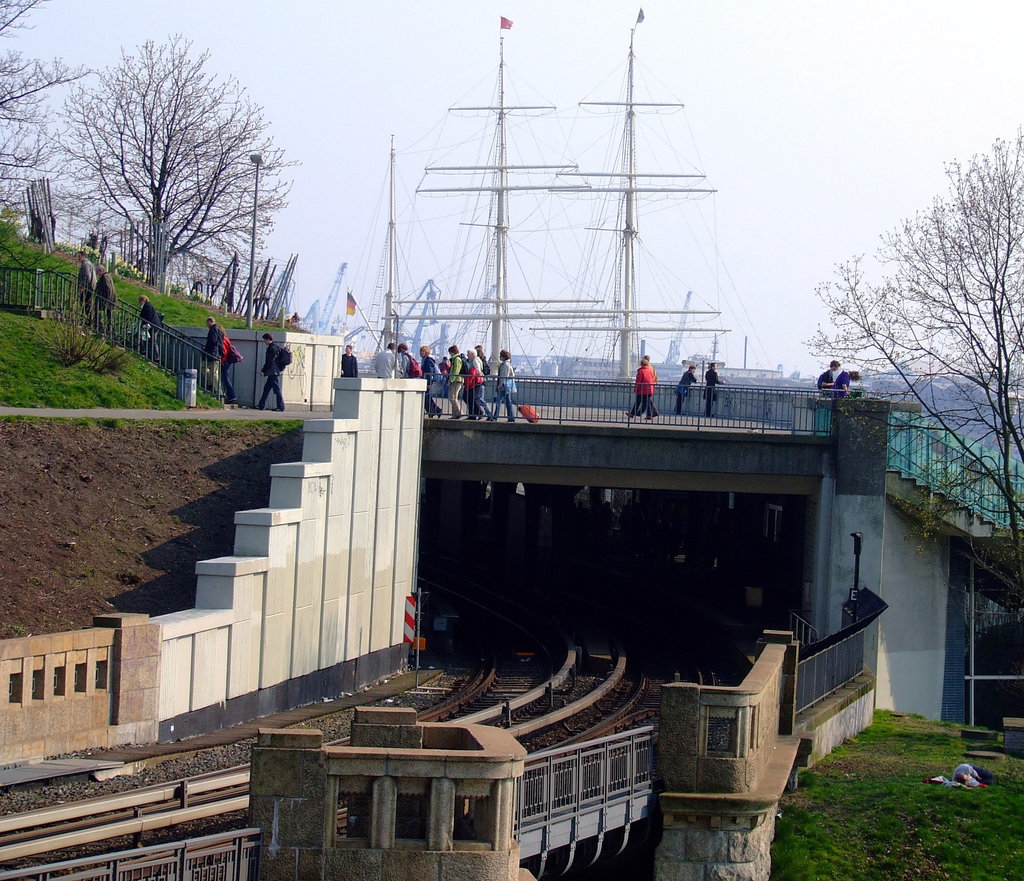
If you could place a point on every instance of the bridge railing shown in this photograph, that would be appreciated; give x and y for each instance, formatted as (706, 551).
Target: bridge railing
(757, 408)
(562, 787)
(820, 675)
(952, 465)
(232, 856)
(57, 293)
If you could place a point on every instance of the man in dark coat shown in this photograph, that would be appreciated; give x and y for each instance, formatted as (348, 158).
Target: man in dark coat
(106, 299)
(349, 364)
(149, 321)
(711, 381)
(214, 352)
(86, 284)
(272, 372)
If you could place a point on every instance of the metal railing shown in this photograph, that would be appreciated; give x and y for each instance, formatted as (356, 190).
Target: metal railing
(821, 674)
(232, 856)
(753, 408)
(561, 787)
(804, 631)
(120, 324)
(954, 466)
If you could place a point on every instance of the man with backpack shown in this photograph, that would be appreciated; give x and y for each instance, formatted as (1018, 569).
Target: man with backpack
(456, 369)
(272, 370)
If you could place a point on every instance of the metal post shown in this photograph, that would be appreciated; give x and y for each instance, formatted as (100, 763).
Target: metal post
(256, 159)
(858, 537)
(416, 635)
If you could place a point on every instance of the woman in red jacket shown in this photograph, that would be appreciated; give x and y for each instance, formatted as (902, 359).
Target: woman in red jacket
(644, 389)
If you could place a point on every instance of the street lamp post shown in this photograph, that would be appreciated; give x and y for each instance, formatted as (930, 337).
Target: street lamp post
(256, 159)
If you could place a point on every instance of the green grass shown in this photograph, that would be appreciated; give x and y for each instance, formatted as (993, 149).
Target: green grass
(864, 812)
(34, 378)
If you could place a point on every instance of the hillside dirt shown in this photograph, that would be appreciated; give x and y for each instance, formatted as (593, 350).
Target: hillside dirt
(97, 518)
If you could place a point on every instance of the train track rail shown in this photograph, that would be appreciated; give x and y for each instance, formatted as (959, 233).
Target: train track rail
(505, 677)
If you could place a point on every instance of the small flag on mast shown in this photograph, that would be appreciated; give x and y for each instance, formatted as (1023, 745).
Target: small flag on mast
(640, 17)
(506, 23)
(350, 304)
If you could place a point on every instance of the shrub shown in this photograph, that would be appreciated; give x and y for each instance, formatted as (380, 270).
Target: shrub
(71, 343)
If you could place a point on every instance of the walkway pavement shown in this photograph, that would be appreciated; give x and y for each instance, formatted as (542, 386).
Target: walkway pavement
(229, 413)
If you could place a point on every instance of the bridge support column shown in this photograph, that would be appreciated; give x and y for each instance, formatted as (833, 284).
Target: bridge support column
(725, 766)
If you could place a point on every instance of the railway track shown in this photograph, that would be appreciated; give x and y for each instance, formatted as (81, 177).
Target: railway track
(515, 673)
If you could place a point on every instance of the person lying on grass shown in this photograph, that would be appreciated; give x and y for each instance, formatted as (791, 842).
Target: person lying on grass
(965, 775)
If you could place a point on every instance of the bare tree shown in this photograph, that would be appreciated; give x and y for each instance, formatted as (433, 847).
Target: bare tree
(24, 143)
(949, 320)
(167, 146)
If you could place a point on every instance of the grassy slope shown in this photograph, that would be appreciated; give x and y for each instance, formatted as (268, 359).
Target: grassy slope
(864, 813)
(33, 377)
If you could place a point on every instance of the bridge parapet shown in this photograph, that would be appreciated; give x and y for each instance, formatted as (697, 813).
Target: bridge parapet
(404, 800)
(725, 765)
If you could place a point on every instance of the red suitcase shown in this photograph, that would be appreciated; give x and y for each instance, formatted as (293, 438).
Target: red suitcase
(528, 413)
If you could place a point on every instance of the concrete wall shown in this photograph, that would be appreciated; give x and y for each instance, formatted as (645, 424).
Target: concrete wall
(309, 379)
(312, 601)
(912, 633)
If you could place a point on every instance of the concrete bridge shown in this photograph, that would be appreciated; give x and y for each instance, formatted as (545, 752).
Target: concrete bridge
(786, 504)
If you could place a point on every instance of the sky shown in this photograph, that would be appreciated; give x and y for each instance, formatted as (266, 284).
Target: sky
(820, 126)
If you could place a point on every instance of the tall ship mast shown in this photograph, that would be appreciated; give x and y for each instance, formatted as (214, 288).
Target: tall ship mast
(623, 320)
(499, 187)
(628, 182)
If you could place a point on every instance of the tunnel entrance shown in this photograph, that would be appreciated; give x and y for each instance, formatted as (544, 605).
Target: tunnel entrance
(739, 559)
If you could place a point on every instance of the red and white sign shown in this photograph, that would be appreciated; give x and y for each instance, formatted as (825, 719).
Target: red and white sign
(410, 619)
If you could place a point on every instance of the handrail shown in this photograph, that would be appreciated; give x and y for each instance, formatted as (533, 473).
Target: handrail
(565, 401)
(49, 291)
(948, 463)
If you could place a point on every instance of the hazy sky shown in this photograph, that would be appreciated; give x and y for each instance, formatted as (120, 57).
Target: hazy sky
(820, 124)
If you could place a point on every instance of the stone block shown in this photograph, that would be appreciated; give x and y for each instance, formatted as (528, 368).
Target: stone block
(707, 845)
(458, 865)
(340, 863)
(276, 772)
(667, 869)
(738, 872)
(279, 864)
(310, 864)
(753, 845)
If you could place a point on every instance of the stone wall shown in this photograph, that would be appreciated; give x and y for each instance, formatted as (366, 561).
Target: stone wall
(725, 765)
(80, 689)
(402, 801)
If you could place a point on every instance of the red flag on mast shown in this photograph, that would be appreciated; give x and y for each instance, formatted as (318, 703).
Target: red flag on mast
(506, 23)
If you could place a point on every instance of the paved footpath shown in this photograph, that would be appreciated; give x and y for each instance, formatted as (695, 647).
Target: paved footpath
(244, 413)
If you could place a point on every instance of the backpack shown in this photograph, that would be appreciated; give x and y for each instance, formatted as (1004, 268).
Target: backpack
(473, 378)
(230, 355)
(284, 357)
(415, 371)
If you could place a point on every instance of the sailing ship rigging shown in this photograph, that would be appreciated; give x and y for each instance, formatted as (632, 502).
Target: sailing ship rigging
(619, 317)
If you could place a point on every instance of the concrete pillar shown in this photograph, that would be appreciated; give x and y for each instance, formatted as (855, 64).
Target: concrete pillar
(440, 834)
(135, 674)
(861, 452)
(288, 800)
(502, 808)
(382, 818)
